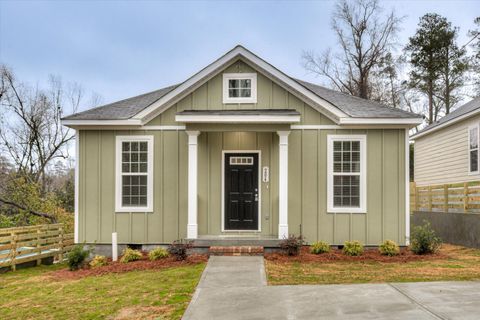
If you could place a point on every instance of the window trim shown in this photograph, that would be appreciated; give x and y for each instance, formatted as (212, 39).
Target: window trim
(475, 126)
(119, 175)
(235, 76)
(363, 173)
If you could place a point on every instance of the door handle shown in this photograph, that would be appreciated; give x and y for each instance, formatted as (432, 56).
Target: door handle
(256, 194)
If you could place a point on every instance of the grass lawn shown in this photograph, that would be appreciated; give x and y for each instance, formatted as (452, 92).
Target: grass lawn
(149, 294)
(459, 264)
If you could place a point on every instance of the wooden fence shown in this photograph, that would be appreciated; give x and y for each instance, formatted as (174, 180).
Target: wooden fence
(33, 243)
(455, 197)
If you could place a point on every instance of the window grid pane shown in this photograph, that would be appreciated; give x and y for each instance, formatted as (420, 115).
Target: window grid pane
(473, 146)
(240, 88)
(134, 173)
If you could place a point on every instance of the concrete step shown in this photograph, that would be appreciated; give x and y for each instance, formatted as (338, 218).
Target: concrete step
(236, 251)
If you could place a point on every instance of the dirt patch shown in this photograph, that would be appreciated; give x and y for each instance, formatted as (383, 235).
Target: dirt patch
(118, 267)
(141, 313)
(369, 255)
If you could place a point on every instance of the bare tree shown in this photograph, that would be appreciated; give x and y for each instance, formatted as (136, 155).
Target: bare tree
(31, 132)
(365, 37)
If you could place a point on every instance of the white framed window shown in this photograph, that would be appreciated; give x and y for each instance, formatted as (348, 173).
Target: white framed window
(473, 141)
(347, 169)
(134, 174)
(239, 88)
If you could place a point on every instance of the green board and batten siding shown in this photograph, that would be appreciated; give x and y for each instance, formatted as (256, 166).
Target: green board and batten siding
(385, 218)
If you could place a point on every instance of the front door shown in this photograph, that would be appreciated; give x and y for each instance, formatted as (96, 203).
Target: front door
(241, 191)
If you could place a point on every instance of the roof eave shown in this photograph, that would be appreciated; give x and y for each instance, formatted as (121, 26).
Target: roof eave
(76, 123)
(381, 121)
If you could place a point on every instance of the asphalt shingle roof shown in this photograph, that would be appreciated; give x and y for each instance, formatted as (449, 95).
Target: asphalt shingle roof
(460, 111)
(123, 109)
(353, 106)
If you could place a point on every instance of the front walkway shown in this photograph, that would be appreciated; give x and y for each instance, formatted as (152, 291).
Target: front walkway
(236, 288)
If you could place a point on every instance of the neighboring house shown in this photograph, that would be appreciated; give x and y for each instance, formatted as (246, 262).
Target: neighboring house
(447, 150)
(240, 149)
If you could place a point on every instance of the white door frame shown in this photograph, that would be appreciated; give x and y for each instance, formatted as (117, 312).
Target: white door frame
(259, 211)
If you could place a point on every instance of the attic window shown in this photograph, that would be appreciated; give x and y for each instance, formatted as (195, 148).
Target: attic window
(239, 88)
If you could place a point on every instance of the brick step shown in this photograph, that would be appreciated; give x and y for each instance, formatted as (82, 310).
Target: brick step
(236, 251)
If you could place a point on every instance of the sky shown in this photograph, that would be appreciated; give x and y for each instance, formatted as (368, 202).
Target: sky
(120, 49)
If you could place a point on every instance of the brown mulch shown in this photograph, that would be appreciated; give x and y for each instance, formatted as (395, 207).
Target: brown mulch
(118, 267)
(335, 255)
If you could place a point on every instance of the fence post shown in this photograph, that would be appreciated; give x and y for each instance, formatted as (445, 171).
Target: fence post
(445, 197)
(39, 249)
(429, 198)
(60, 256)
(14, 251)
(465, 197)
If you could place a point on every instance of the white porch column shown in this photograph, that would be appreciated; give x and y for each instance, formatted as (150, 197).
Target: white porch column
(283, 185)
(192, 226)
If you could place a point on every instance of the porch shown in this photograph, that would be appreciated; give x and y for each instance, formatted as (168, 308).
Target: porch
(239, 196)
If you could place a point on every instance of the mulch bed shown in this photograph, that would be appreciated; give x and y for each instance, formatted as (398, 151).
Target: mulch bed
(118, 267)
(335, 255)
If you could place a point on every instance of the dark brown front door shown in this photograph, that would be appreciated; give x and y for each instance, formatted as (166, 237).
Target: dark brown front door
(241, 191)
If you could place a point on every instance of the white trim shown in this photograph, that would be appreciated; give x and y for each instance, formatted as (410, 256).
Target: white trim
(409, 121)
(77, 187)
(446, 124)
(363, 173)
(259, 211)
(127, 122)
(163, 128)
(207, 73)
(407, 188)
(192, 224)
(474, 126)
(283, 184)
(118, 174)
(240, 76)
(315, 127)
(218, 118)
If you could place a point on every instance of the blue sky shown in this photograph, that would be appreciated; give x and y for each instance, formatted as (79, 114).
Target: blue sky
(121, 49)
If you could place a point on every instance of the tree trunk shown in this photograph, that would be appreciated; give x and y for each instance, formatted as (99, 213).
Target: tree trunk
(430, 101)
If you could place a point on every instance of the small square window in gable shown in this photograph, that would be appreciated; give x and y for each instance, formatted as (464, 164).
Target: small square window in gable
(239, 88)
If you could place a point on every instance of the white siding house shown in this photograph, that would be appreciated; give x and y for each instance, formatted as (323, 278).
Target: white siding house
(447, 151)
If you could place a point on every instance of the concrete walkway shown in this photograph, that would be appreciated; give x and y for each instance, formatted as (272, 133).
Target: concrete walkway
(236, 288)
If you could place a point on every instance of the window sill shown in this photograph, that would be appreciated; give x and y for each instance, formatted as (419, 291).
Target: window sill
(134, 209)
(239, 101)
(346, 210)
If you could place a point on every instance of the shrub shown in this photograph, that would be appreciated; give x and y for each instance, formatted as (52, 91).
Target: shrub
(179, 249)
(158, 253)
(352, 248)
(130, 255)
(98, 261)
(291, 245)
(76, 257)
(424, 239)
(320, 247)
(389, 248)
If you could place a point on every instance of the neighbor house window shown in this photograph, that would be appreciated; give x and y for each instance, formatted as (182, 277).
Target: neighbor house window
(239, 88)
(473, 148)
(346, 173)
(134, 165)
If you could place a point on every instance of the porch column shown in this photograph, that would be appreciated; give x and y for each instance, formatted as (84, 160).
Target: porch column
(283, 184)
(192, 226)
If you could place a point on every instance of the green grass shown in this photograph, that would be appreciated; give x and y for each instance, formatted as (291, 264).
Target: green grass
(459, 264)
(154, 294)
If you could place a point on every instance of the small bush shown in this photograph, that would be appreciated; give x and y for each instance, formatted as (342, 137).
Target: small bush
(291, 245)
(389, 248)
(158, 253)
(76, 257)
(424, 239)
(179, 249)
(130, 255)
(320, 247)
(98, 261)
(352, 248)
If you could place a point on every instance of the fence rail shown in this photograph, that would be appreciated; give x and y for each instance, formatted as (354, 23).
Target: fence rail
(33, 243)
(454, 197)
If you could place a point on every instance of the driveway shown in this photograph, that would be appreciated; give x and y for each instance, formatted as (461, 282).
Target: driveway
(236, 288)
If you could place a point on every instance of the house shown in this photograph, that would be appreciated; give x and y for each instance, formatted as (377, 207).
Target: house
(447, 151)
(240, 151)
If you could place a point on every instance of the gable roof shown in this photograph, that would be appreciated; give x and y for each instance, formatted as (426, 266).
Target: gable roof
(341, 108)
(467, 110)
